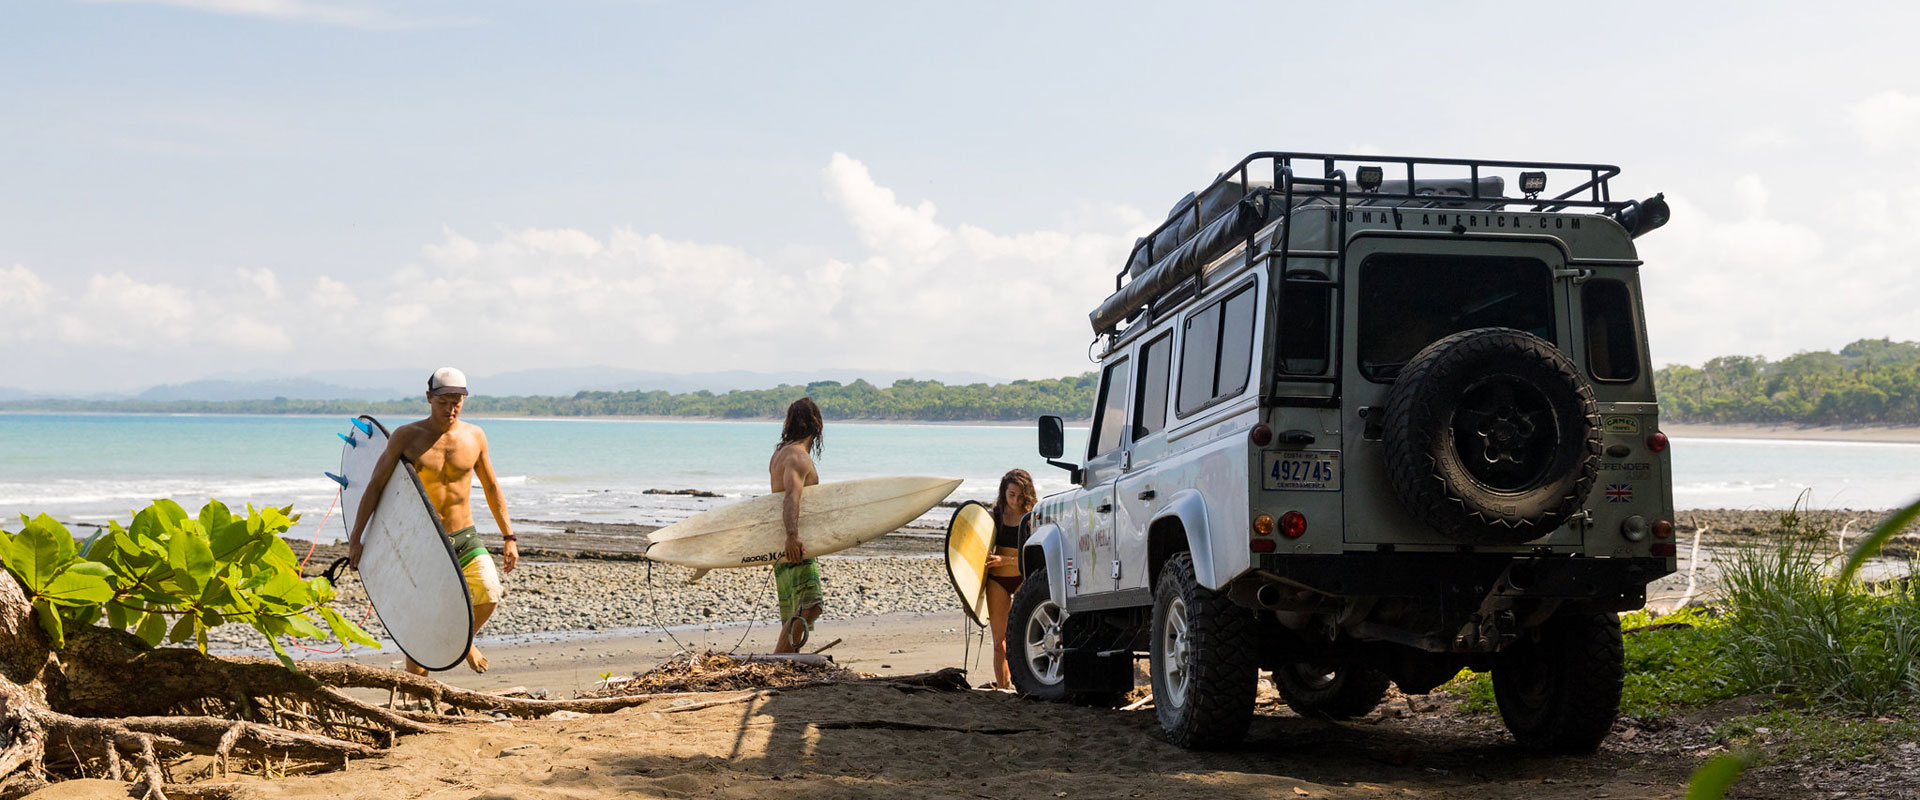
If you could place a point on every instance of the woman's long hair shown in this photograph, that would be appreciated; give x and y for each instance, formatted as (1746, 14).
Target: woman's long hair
(1024, 495)
(803, 420)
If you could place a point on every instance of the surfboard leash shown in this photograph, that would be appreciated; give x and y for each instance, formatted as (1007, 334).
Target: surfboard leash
(332, 573)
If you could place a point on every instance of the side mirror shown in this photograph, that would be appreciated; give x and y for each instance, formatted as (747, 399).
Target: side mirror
(1053, 443)
(1053, 437)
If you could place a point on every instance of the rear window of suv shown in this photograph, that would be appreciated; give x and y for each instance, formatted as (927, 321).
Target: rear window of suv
(1410, 301)
(1613, 352)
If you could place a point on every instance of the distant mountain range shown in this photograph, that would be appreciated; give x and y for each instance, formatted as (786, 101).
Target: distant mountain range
(389, 384)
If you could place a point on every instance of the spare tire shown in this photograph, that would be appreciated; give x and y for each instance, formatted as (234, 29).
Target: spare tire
(1492, 437)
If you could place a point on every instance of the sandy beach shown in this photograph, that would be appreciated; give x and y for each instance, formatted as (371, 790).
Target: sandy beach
(1829, 433)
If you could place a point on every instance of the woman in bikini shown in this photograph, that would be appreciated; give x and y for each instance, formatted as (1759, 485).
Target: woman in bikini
(1010, 507)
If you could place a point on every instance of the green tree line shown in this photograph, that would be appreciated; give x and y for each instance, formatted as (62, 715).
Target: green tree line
(1869, 382)
(906, 399)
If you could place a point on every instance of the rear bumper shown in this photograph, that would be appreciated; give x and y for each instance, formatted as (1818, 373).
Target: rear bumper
(1612, 582)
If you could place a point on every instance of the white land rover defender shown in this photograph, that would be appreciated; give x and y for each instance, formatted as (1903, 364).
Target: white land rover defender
(1361, 419)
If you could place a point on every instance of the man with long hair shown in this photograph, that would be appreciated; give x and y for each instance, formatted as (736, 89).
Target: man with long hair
(796, 579)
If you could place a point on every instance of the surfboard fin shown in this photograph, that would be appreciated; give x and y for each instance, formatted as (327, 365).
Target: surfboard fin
(351, 442)
(697, 575)
(337, 479)
(364, 426)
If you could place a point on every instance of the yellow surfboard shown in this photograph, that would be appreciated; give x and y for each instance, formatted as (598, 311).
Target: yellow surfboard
(969, 540)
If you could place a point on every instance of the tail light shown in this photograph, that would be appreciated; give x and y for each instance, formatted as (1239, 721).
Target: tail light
(1657, 442)
(1261, 435)
(1263, 525)
(1263, 545)
(1293, 524)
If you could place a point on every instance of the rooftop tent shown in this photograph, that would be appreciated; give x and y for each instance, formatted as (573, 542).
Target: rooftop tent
(1217, 201)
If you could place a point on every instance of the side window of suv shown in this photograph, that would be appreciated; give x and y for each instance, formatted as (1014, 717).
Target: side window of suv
(1109, 413)
(1150, 398)
(1217, 352)
(1613, 352)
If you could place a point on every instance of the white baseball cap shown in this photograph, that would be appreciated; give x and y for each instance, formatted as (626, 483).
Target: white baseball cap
(447, 380)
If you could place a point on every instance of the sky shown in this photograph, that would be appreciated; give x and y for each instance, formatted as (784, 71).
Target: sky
(196, 187)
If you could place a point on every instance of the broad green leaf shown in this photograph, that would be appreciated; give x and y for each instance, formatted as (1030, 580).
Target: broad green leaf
(191, 560)
(214, 516)
(50, 622)
(72, 587)
(17, 552)
(274, 624)
(118, 616)
(274, 642)
(303, 626)
(171, 515)
(93, 568)
(1712, 780)
(146, 533)
(38, 552)
(1871, 545)
(286, 587)
(182, 629)
(87, 615)
(56, 533)
(345, 630)
(153, 627)
(232, 540)
(279, 554)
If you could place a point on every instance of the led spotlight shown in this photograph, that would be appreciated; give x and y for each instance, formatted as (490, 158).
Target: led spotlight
(1370, 178)
(1533, 183)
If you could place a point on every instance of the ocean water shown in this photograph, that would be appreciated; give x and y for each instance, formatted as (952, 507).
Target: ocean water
(88, 468)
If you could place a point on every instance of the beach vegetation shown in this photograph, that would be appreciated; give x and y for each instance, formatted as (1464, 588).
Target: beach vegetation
(1869, 382)
(906, 399)
(170, 576)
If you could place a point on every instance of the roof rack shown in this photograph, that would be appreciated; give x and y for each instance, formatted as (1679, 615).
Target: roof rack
(1237, 205)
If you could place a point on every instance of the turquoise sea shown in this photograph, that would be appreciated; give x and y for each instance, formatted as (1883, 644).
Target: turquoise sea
(88, 468)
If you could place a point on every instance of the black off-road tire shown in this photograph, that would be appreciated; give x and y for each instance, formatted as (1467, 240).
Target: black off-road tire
(1033, 599)
(1492, 437)
(1203, 692)
(1348, 691)
(1561, 694)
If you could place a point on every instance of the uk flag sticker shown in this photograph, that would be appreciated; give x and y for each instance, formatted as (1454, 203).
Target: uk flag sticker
(1619, 493)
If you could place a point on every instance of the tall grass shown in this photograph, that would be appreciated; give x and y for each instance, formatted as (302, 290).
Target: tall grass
(1797, 628)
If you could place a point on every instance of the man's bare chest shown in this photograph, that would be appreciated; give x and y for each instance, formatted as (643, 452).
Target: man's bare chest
(450, 455)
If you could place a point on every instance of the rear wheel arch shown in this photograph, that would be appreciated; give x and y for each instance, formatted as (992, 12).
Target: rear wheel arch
(1166, 537)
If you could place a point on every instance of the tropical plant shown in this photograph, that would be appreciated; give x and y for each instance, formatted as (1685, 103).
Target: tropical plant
(169, 576)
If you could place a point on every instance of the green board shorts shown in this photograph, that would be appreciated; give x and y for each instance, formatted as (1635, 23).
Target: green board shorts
(476, 567)
(798, 585)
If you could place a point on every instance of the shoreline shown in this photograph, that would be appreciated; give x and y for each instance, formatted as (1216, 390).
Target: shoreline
(1879, 434)
(1887, 434)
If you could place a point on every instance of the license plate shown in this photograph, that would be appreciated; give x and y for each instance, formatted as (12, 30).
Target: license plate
(1300, 470)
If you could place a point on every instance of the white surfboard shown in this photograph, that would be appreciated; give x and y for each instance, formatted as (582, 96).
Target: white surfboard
(407, 563)
(833, 517)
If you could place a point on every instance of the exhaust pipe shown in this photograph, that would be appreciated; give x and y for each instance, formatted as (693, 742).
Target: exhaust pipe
(1268, 596)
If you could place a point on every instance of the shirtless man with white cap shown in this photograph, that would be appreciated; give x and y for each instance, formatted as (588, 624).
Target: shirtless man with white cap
(448, 454)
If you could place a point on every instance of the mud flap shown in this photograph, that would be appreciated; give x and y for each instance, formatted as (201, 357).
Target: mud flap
(1087, 671)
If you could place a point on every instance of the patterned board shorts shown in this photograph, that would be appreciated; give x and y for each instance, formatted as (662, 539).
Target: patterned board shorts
(476, 565)
(798, 585)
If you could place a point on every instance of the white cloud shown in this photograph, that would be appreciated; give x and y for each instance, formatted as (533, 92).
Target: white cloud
(1887, 120)
(917, 293)
(1774, 282)
(324, 13)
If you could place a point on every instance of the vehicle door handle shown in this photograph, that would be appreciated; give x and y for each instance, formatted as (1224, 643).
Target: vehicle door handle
(1147, 495)
(1104, 508)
